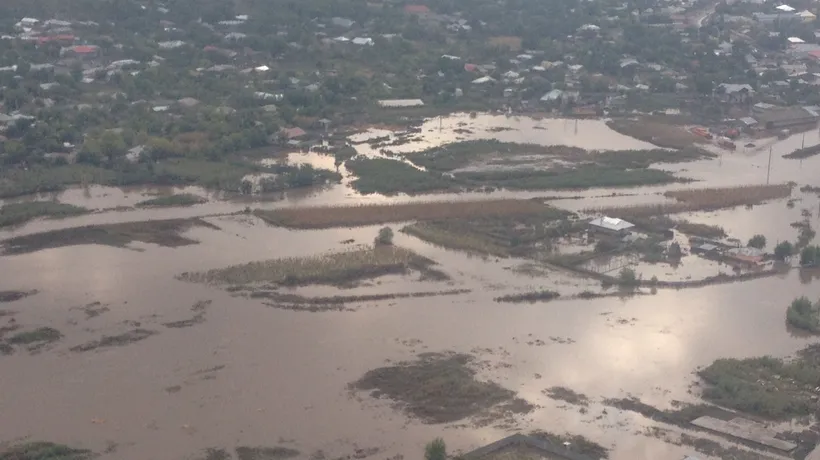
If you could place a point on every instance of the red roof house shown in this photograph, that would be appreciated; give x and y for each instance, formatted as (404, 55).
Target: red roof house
(416, 9)
(55, 38)
(470, 67)
(292, 133)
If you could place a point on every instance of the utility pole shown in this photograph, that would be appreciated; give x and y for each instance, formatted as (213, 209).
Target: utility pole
(803, 145)
(769, 168)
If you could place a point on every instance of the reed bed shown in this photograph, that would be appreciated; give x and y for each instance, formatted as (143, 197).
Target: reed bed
(731, 196)
(335, 268)
(706, 199)
(353, 216)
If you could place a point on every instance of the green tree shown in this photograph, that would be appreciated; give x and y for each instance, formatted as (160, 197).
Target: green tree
(385, 237)
(757, 241)
(783, 250)
(804, 315)
(435, 449)
(808, 256)
(675, 251)
(627, 277)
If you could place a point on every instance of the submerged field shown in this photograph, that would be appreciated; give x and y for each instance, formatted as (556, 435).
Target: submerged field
(477, 165)
(210, 321)
(161, 232)
(335, 269)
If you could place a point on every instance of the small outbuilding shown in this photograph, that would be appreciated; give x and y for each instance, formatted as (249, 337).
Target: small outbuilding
(610, 226)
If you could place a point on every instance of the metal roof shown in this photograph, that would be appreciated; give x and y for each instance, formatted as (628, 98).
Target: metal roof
(611, 223)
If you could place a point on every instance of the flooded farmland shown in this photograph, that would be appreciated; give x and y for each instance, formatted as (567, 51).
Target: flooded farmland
(149, 365)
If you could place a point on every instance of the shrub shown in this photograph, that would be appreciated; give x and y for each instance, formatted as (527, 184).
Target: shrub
(810, 256)
(605, 245)
(435, 450)
(783, 250)
(804, 315)
(757, 241)
(385, 236)
(627, 277)
(675, 251)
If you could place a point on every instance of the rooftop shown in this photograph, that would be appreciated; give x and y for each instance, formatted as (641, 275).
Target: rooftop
(520, 447)
(401, 102)
(611, 223)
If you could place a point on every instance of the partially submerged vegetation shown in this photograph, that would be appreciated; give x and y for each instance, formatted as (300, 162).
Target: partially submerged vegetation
(39, 336)
(705, 199)
(439, 234)
(162, 232)
(574, 443)
(219, 175)
(295, 302)
(768, 387)
(527, 236)
(352, 216)
(804, 315)
(389, 177)
(19, 213)
(436, 388)
(13, 296)
(181, 199)
(336, 268)
(44, 451)
(490, 164)
(656, 130)
(265, 453)
(567, 395)
(531, 297)
(119, 340)
(805, 152)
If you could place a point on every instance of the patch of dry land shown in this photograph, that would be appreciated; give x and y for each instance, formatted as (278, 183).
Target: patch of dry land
(441, 388)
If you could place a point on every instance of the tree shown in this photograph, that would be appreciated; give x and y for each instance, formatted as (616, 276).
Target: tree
(757, 241)
(385, 238)
(435, 449)
(783, 250)
(627, 277)
(675, 251)
(809, 256)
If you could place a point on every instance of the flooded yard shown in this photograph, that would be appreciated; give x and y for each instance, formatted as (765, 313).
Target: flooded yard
(123, 354)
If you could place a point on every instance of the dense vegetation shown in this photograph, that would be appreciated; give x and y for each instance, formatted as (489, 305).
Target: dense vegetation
(20, 213)
(389, 177)
(181, 199)
(804, 315)
(766, 386)
(44, 451)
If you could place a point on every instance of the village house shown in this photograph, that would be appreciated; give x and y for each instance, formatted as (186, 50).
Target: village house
(609, 226)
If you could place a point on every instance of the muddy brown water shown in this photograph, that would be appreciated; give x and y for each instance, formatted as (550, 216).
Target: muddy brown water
(286, 373)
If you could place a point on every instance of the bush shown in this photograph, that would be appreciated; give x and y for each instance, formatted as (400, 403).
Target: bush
(385, 237)
(435, 450)
(627, 277)
(675, 251)
(810, 256)
(802, 314)
(783, 250)
(757, 241)
(605, 245)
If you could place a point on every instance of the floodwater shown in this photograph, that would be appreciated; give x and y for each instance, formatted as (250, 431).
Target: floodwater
(286, 373)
